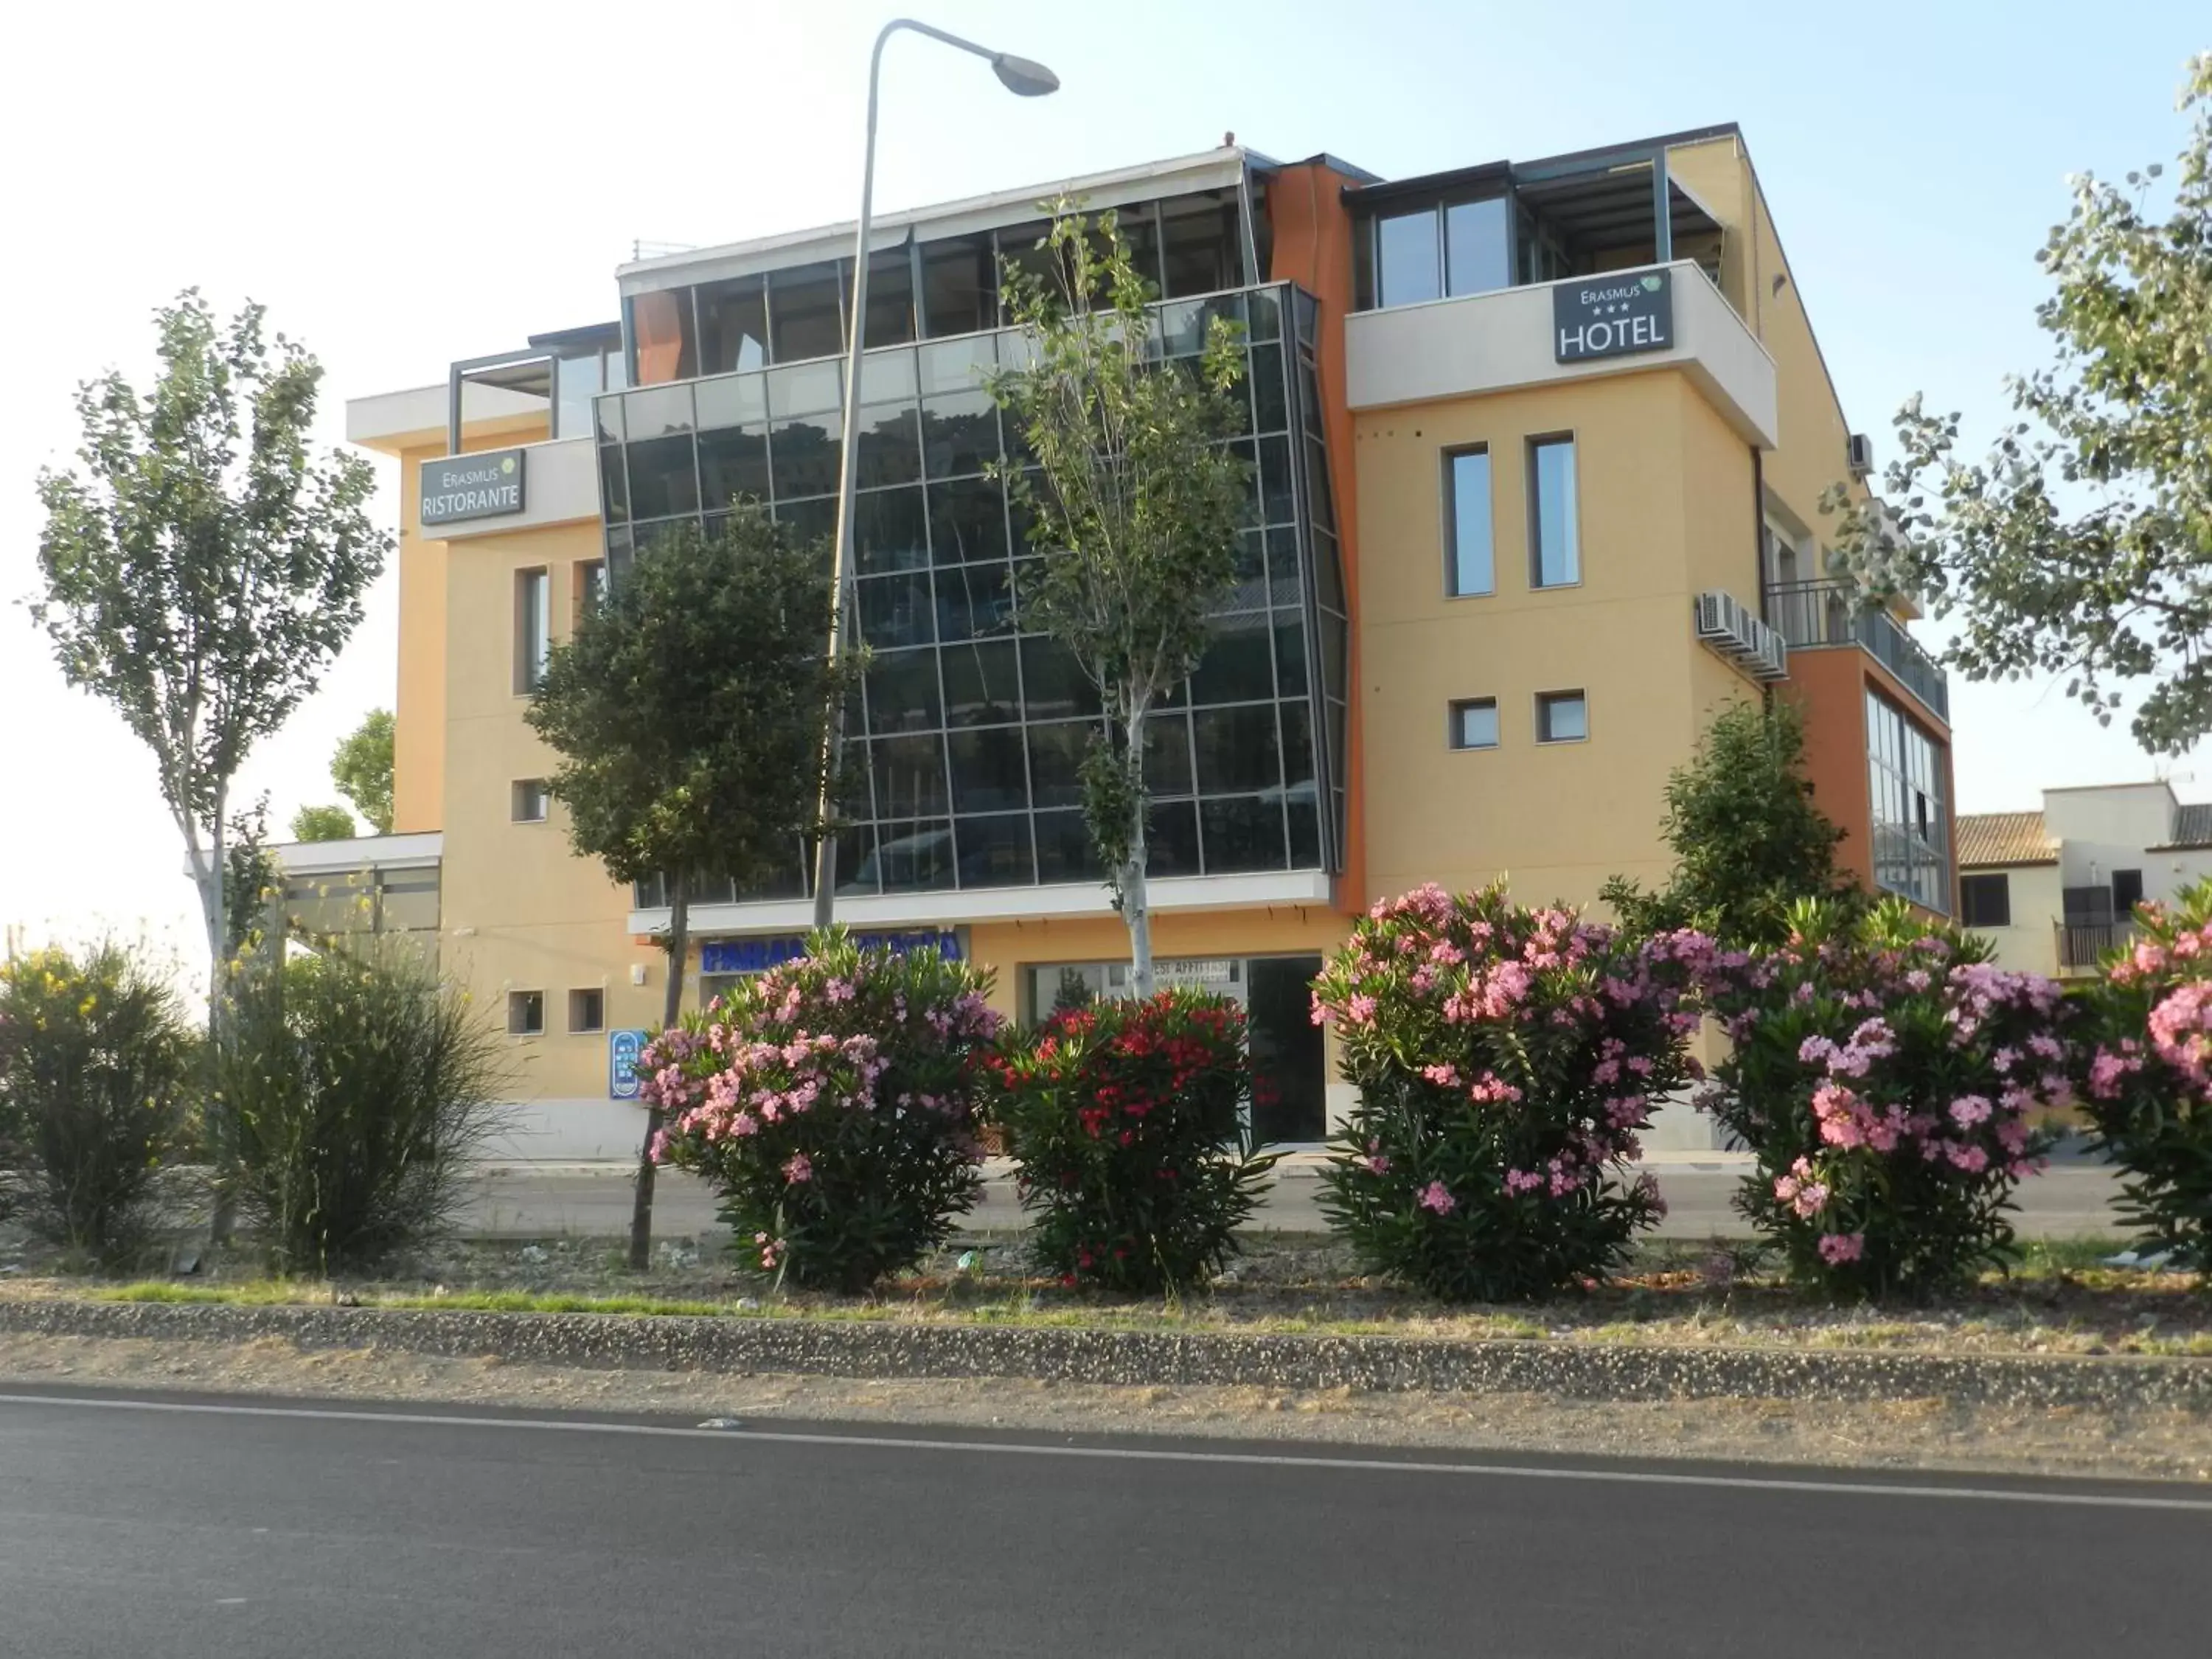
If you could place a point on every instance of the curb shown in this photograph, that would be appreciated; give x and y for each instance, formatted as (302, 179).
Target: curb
(1059, 1354)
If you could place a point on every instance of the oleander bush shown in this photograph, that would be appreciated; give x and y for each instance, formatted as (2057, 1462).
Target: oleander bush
(99, 1078)
(2145, 1072)
(1888, 1077)
(1506, 1058)
(1130, 1122)
(831, 1104)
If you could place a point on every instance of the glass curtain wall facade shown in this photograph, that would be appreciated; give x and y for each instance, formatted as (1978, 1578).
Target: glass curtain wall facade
(961, 761)
(1910, 817)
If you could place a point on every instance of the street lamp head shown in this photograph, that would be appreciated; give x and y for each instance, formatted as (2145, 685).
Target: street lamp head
(1024, 76)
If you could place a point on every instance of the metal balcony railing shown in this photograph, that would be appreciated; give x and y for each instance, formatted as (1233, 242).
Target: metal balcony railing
(2085, 944)
(1832, 613)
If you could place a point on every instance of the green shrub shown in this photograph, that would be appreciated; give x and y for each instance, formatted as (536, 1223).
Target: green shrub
(98, 1072)
(1887, 1077)
(1129, 1122)
(830, 1101)
(356, 1088)
(1506, 1058)
(2146, 1082)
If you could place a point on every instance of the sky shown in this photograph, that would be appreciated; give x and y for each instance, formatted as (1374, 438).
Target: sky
(408, 183)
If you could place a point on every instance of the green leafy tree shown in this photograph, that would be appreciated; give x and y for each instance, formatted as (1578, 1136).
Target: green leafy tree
(1136, 507)
(2082, 543)
(688, 712)
(323, 824)
(1749, 841)
(251, 881)
(361, 769)
(202, 568)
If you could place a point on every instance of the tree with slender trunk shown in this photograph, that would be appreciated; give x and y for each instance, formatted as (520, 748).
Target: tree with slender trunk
(203, 567)
(2082, 544)
(1136, 505)
(688, 710)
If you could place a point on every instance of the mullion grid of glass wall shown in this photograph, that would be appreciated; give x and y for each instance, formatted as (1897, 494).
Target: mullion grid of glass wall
(960, 762)
(1910, 816)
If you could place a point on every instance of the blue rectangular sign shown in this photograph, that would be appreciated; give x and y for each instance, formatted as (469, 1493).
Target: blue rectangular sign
(753, 956)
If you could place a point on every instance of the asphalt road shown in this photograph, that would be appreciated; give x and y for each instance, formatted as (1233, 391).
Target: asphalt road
(238, 1531)
(516, 1201)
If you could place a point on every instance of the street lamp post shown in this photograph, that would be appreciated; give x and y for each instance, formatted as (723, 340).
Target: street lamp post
(1025, 78)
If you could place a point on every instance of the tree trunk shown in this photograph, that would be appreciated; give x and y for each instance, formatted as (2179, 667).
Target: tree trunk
(207, 876)
(679, 946)
(1136, 902)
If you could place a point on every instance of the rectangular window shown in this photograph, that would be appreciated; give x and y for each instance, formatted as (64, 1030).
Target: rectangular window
(533, 622)
(588, 588)
(1469, 567)
(2127, 891)
(1554, 532)
(1477, 246)
(526, 800)
(525, 1013)
(587, 1010)
(1985, 901)
(1562, 717)
(1409, 265)
(1909, 817)
(1474, 723)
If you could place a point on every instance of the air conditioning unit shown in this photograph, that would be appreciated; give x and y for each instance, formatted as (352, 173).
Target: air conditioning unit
(1736, 632)
(1861, 450)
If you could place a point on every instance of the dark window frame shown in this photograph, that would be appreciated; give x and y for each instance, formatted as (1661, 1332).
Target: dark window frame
(1978, 911)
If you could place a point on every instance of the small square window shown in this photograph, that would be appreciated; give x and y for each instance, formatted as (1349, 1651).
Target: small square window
(587, 1010)
(527, 799)
(1985, 901)
(1474, 723)
(1562, 717)
(525, 1013)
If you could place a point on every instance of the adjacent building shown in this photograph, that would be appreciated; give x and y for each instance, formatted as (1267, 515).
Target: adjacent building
(2055, 891)
(1536, 450)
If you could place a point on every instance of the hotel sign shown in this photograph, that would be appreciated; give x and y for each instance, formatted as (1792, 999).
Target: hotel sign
(485, 485)
(1612, 316)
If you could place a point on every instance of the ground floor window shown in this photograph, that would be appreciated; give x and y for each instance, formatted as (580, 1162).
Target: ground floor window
(1290, 1074)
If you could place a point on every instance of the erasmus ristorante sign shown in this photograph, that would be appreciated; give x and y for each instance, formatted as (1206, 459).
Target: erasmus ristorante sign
(1612, 316)
(484, 485)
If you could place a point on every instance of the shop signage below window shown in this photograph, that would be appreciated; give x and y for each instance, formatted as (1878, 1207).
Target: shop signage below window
(1612, 316)
(753, 956)
(1195, 970)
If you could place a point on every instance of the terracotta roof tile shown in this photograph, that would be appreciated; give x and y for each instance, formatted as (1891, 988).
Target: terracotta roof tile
(2003, 838)
(2192, 827)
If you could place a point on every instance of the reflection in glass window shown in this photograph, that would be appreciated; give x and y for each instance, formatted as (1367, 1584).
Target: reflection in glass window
(1056, 752)
(1409, 270)
(663, 483)
(576, 381)
(1235, 749)
(891, 299)
(959, 433)
(1479, 246)
(909, 775)
(802, 456)
(975, 600)
(733, 326)
(1167, 753)
(895, 611)
(967, 520)
(959, 286)
(1554, 534)
(982, 687)
(1064, 849)
(902, 695)
(1474, 723)
(1466, 517)
(988, 773)
(889, 445)
(1911, 816)
(889, 531)
(1242, 833)
(1562, 717)
(803, 315)
(733, 465)
(1201, 249)
(994, 852)
(660, 331)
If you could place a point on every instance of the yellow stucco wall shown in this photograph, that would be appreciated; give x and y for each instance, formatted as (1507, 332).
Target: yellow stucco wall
(522, 911)
(418, 737)
(1665, 506)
